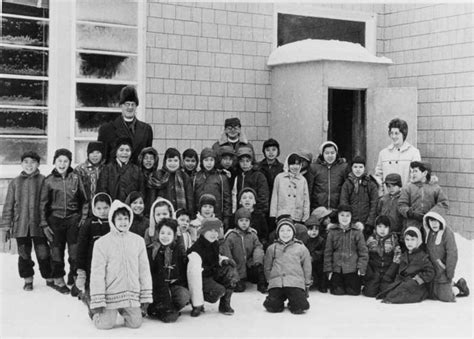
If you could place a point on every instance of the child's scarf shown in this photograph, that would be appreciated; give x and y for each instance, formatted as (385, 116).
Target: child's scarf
(161, 181)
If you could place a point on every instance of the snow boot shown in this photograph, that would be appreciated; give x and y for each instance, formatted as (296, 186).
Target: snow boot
(50, 282)
(240, 286)
(261, 281)
(463, 288)
(224, 304)
(168, 316)
(297, 311)
(28, 284)
(70, 278)
(196, 311)
(60, 286)
(75, 291)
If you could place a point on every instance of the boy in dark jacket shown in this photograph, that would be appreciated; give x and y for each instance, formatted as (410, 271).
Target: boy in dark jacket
(316, 244)
(345, 254)
(247, 199)
(388, 203)
(64, 208)
(190, 162)
(137, 204)
(148, 163)
(168, 272)
(226, 163)
(414, 272)
(89, 170)
(21, 218)
(383, 246)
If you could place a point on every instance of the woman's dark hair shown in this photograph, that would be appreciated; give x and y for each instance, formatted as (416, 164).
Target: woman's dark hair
(293, 159)
(401, 125)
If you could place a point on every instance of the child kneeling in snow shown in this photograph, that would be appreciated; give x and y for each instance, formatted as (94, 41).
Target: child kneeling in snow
(288, 271)
(210, 275)
(443, 252)
(168, 271)
(120, 273)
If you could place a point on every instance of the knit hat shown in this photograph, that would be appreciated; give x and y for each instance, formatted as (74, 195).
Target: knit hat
(182, 211)
(321, 212)
(171, 223)
(312, 221)
(271, 142)
(358, 160)
(191, 153)
(394, 179)
(134, 195)
(244, 190)
(422, 165)
(383, 219)
(417, 232)
(208, 152)
(232, 122)
(128, 93)
(328, 144)
(209, 224)
(95, 146)
(305, 155)
(344, 208)
(242, 213)
(62, 151)
(123, 141)
(283, 220)
(207, 199)
(244, 151)
(226, 150)
(30, 154)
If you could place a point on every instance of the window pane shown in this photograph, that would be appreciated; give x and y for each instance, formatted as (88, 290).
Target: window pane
(23, 92)
(18, 121)
(26, 7)
(23, 61)
(24, 32)
(117, 39)
(98, 95)
(100, 66)
(12, 149)
(88, 123)
(110, 11)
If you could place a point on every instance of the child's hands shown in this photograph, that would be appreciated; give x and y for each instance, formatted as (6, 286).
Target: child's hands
(98, 310)
(329, 276)
(360, 274)
(144, 308)
(397, 253)
(49, 234)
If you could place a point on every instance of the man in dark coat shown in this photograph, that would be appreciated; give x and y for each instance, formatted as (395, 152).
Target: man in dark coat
(127, 126)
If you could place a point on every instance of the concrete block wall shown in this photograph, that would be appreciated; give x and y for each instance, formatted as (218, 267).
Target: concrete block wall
(432, 48)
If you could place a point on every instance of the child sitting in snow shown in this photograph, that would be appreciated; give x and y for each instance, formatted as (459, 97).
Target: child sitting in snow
(120, 273)
(168, 271)
(137, 203)
(415, 271)
(242, 245)
(383, 246)
(184, 233)
(210, 275)
(160, 209)
(443, 252)
(316, 244)
(345, 255)
(288, 271)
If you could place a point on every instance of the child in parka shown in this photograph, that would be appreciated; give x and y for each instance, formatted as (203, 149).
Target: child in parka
(160, 209)
(137, 203)
(247, 199)
(168, 271)
(120, 273)
(288, 271)
(242, 245)
(388, 203)
(190, 162)
(383, 246)
(316, 244)
(90, 169)
(148, 160)
(443, 252)
(413, 274)
(184, 232)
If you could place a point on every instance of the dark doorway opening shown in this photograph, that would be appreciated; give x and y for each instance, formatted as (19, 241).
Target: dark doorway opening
(347, 121)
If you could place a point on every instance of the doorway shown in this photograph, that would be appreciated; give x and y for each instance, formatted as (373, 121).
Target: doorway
(347, 121)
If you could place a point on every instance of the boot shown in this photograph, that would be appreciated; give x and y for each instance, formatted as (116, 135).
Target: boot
(224, 304)
(463, 289)
(50, 282)
(196, 311)
(75, 291)
(240, 286)
(261, 281)
(28, 284)
(70, 278)
(60, 286)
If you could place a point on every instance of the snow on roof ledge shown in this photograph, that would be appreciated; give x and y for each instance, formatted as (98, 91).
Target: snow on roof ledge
(317, 50)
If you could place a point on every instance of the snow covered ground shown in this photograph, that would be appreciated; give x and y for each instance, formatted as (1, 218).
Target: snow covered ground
(46, 313)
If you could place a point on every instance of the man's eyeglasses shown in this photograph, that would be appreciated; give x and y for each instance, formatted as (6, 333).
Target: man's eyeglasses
(232, 128)
(130, 104)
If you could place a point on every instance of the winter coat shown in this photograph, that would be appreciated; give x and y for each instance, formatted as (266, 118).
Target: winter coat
(421, 198)
(151, 235)
(21, 209)
(270, 171)
(168, 191)
(120, 271)
(346, 251)
(139, 225)
(288, 265)
(316, 248)
(362, 195)
(442, 249)
(244, 248)
(381, 251)
(214, 183)
(415, 271)
(111, 131)
(63, 197)
(209, 254)
(119, 180)
(224, 141)
(396, 160)
(150, 192)
(328, 181)
(259, 223)
(255, 180)
(388, 205)
(89, 175)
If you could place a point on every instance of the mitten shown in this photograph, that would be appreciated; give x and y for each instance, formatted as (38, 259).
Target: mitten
(360, 274)
(144, 308)
(49, 234)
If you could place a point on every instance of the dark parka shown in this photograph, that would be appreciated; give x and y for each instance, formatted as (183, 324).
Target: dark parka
(111, 131)
(270, 171)
(328, 181)
(362, 195)
(150, 191)
(388, 205)
(215, 183)
(168, 190)
(21, 211)
(120, 180)
(316, 248)
(257, 181)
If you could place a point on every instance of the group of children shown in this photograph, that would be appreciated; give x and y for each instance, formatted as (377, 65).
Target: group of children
(149, 241)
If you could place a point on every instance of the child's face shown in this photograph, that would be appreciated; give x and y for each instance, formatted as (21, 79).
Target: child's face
(138, 205)
(245, 163)
(344, 218)
(393, 189)
(62, 164)
(29, 165)
(243, 223)
(208, 163)
(382, 230)
(247, 200)
(190, 163)
(271, 152)
(313, 231)
(122, 222)
(358, 169)
(285, 233)
(329, 154)
(123, 153)
(295, 168)
(161, 212)
(410, 242)
(227, 161)
(166, 235)
(435, 225)
(207, 210)
(172, 164)
(417, 175)
(211, 235)
(148, 161)
(101, 209)
(183, 222)
(95, 157)
(396, 136)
